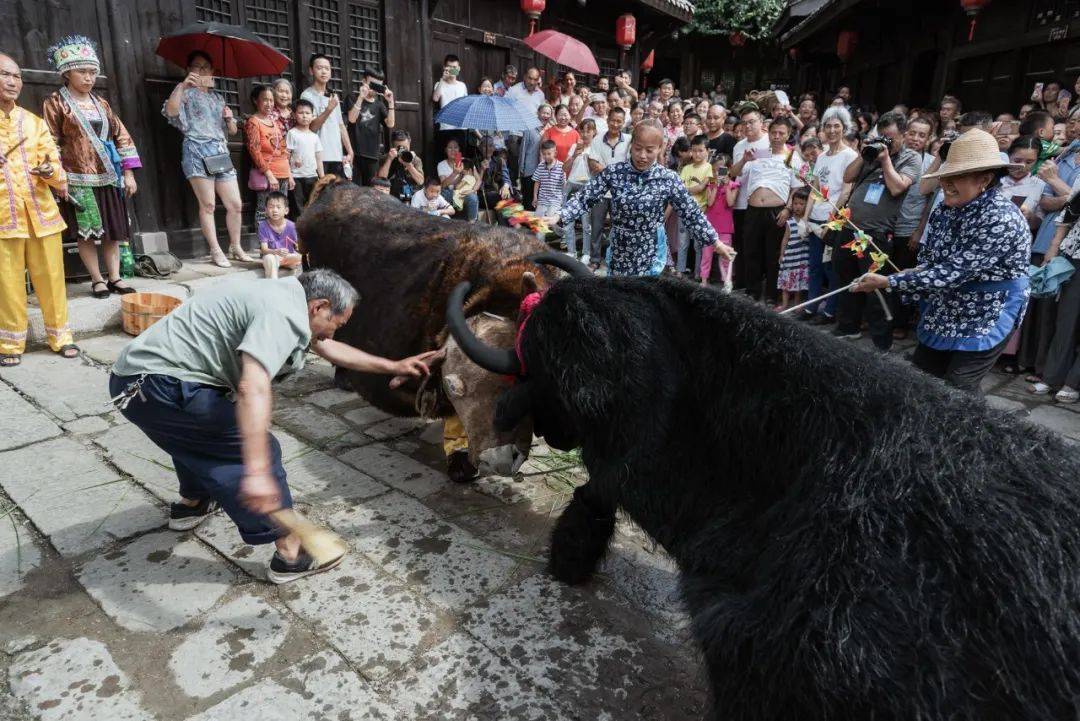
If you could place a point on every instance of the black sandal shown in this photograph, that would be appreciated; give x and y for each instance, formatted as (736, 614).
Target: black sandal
(10, 360)
(99, 293)
(113, 287)
(63, 352)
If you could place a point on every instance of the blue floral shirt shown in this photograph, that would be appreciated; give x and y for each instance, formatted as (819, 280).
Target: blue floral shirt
(200, 117)
(972, 274)
(638, 199)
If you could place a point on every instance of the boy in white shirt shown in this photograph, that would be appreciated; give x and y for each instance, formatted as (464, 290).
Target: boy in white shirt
(305, 153)
(431, 200)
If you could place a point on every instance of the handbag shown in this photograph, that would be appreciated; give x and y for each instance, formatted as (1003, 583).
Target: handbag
(217, 164)
(257, 180)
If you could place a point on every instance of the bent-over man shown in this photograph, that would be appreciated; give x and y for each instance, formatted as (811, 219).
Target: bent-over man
(197, 383)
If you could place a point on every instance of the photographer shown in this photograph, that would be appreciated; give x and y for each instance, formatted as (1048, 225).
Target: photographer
(373, 108)
(402, 167)
(881, 176)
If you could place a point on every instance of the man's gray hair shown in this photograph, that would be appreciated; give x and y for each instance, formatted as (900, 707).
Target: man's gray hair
(838, 112)
(324, 284)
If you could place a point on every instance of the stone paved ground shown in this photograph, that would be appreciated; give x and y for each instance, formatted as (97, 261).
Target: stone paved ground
(441, 611)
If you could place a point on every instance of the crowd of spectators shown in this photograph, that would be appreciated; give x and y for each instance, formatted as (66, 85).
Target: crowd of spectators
(752, 166)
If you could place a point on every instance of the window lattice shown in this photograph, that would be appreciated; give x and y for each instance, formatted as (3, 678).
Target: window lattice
(270, 19)
(365, 41)
(214, 11)
(326, 36)
(220, 11)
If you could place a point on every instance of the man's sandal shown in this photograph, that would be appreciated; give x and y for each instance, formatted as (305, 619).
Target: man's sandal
(69, 351)
(10, 360)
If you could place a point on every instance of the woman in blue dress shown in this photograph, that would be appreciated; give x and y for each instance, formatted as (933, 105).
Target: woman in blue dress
(971, 279)
(641, 189)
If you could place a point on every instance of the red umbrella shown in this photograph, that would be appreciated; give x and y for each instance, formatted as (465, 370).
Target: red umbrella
(235, 51)
(564, 50)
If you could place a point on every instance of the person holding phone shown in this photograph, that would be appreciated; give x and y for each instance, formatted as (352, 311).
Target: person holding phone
(100, 158)
(372, 110)
(328, 122)
(30, 224)
(202, 115)
(448, 89)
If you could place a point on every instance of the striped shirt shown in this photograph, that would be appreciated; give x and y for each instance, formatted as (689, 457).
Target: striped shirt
(550, 179)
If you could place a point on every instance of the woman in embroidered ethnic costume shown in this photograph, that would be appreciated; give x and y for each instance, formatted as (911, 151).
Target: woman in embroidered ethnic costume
(30, 224)
(99, 156)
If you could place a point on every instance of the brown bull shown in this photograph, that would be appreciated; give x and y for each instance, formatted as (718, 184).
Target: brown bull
(405, 264)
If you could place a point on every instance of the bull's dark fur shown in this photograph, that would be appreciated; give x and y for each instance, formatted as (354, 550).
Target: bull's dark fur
(405, 263)
(856, 540)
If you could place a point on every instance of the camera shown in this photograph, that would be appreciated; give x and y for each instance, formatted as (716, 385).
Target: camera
(872, 150)
(405, 156)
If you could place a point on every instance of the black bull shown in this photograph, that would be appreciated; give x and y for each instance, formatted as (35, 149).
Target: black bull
(405, 264)
(855, 539)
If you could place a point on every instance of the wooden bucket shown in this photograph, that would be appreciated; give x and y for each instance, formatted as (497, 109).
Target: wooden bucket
(141, 310)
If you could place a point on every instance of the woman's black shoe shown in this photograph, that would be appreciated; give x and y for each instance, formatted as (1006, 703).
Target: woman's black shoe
(99, 293)
(113, 287)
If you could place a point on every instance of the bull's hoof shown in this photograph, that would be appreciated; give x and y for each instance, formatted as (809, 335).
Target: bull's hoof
(578, 543)
(460, 468)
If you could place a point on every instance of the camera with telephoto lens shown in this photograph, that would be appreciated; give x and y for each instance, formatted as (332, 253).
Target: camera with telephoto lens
(405, 156)
(872, 150)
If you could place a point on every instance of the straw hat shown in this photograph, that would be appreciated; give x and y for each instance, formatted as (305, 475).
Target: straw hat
(972, 152)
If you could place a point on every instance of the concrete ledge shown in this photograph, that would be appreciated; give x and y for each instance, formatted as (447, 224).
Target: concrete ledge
(89, 316)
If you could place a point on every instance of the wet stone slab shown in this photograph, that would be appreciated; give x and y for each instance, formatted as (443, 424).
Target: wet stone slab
(377, 623)
(556, 637)
(317, 478)
(158, 582)
(1059, 420)
(396, 470)
(135, 454)
(394, 428)
(220, 532)
(461, 679)
(310, 423)
(84, 505)
(105, 348)
(74, 679)
(19, 552)
(227, 650)
(316, 375)
(331, 397)
(65, 387)
(320, 688)
(366, 416)
(444, 563)
(22, 424)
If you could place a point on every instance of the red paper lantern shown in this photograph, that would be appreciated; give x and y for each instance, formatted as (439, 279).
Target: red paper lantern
(793, 53)
(737, 39)
(972, 8)
(647, 63)
(845, 44)
(532, 10)
(625, 31)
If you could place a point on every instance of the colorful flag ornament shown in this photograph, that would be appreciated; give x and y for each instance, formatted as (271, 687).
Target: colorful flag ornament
(877, 261)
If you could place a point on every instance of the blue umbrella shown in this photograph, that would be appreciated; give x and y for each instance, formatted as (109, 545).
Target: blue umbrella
(485, 112)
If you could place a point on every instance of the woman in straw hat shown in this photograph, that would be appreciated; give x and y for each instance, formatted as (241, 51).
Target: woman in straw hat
(971, 278)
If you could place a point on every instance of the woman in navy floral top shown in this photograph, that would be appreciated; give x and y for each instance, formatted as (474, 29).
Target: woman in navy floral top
(971, 280)
(640, 191)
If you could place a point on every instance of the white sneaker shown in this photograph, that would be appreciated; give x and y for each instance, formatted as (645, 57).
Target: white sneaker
(585, 259)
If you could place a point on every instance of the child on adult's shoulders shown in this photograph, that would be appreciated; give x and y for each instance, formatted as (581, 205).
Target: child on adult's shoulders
(277, 237)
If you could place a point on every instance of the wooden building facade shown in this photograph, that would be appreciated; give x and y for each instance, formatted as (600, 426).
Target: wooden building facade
(406, 39)
(915, 52)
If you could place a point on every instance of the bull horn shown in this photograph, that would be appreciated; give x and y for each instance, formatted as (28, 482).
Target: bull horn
(564, 263)
(496, 360)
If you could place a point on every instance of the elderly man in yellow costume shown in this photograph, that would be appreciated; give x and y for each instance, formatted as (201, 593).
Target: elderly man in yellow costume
(30, 224)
